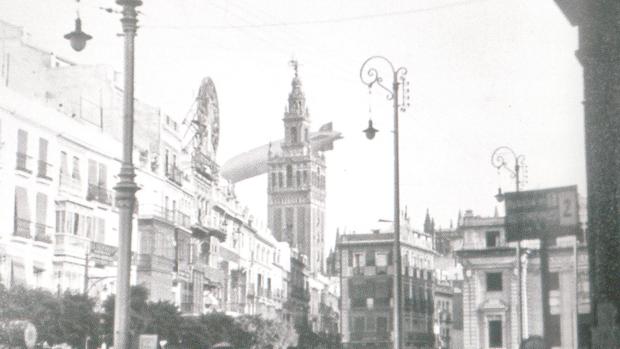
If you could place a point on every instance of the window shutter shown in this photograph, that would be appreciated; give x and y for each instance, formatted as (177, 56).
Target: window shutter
(103, 176)
(41, 208)
(64, 167)
(42, 149)
(21, 204)
(92, 172)
(22, 142)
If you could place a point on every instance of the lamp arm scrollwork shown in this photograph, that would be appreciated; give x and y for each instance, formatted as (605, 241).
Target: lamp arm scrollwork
(499, 160)
(370, 75)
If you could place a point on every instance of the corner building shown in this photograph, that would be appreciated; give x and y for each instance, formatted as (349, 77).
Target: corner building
(366, 274)
(491, 311)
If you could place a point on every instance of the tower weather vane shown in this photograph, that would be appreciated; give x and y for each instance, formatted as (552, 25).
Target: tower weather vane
(295, 64)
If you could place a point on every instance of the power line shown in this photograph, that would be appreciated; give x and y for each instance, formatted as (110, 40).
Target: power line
(369, 16)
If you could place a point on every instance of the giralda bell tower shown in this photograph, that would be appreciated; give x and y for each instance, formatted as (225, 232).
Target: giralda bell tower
(297, 183)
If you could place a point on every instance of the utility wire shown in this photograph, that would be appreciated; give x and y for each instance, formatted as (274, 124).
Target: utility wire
(323, 21)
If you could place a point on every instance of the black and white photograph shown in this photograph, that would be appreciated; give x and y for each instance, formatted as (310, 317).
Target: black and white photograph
(309, 174)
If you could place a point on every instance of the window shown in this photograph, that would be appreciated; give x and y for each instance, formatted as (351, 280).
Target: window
(492, 238)
(494, 281)
(382, 324)
(22, 150)
(98, 183)
(555, 331)
(42, 165)
(358, 325)
(22, 213)
(41, 226)
(299, 178)
(554, 281)
(382, 259)
(64, 166)
(76, 168)
(495, 334)
(289, 176)
(370, 258)
(280, 181)
(273, 180)
(357, 260)
(166, 161)
(293, 134)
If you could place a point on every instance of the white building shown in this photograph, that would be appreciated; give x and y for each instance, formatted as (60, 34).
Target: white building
(491, 288)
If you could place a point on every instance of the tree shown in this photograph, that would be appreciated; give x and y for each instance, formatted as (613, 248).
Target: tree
(78, 319)
(257, 332)
(66, 319)
(163, 319)
(137, 314)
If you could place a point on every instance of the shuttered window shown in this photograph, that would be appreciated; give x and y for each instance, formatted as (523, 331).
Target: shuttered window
(42, 165)
(64, 166)
(22, 149)
(41, 226)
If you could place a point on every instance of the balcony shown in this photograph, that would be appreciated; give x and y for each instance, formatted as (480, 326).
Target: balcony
(22, 228)
(23, 162)
(204, 165)
(165, 214)
(41, 233)
(175, 175)
(43, 169)
(69, 185)
(73, 245)
(100, 194)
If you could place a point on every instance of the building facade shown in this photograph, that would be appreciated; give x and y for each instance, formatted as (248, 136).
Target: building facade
(194, 244)
(597, 23)
(499, 309)
(366, 272)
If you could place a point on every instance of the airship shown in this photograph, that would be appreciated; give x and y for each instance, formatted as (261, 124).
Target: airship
(253, 163)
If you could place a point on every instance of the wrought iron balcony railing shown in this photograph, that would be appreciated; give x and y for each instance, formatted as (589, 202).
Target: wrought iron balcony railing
(41, 233)
(43, 169)
(22, 162)
(169, 215)
(175, 175)
(22, 228)
(99, 193)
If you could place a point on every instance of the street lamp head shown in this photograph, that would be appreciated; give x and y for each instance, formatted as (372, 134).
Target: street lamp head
(499, 196)
(77, 37)
(370, 131)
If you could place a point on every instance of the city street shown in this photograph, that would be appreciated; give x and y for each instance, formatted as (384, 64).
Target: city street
(313, 174)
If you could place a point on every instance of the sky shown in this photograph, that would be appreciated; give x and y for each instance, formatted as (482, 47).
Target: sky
(482, 73)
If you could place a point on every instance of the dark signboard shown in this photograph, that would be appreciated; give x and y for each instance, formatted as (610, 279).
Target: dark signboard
(553, 211)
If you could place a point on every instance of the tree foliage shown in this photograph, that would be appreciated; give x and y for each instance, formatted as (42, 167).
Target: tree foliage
(70, 318)
(67, 318)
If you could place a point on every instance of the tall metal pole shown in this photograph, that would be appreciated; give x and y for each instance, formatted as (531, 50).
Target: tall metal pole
(498, 161)
(126, 187)
(544, 271)
(86, 262)
(370, 76)
(519, 264)
(397, 255)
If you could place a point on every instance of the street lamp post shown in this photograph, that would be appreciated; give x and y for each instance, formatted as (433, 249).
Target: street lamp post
(370, 76)
(126, 187)
(499, 161)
